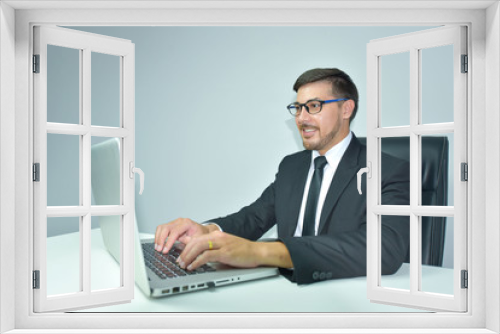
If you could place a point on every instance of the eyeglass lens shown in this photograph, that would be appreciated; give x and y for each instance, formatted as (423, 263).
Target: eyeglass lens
(312, 107)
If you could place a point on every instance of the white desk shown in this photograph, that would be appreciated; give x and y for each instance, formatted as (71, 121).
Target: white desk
(275, 294)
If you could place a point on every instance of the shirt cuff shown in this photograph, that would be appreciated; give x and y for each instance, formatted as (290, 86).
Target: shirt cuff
(210, 223)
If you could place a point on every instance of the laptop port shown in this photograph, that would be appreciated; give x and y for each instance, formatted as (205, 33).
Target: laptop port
(185, 288)
(165, 291)
(175, 290)
(201, 285)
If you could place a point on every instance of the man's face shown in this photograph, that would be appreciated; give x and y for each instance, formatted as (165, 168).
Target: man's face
(324, 130)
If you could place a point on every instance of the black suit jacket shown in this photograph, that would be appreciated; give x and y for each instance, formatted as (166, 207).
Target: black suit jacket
(339, 249)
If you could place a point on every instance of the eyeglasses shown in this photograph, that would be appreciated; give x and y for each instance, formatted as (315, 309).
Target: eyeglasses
(312, 106)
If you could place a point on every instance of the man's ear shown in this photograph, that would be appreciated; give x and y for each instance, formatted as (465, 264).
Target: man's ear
(347, 109)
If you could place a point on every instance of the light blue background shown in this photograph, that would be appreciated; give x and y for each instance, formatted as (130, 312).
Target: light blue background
(211, 122)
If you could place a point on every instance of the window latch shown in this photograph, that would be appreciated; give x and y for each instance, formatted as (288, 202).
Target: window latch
(368, 171)
(133, 170)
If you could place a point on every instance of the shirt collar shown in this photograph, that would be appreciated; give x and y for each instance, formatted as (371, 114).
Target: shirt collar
(334, 154)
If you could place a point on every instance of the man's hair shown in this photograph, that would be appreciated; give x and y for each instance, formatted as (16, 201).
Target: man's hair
(342, 84)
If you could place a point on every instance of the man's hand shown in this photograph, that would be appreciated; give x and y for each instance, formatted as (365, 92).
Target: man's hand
(228, 249)
(182, 229)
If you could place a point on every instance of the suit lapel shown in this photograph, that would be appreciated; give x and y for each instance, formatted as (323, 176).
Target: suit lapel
(346, 170)
(299, 183)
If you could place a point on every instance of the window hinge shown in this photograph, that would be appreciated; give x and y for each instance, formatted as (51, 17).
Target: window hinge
(465, 279)
(36, 172)
(464, 169)
(465, 64)
(36, 279)
(36, 63)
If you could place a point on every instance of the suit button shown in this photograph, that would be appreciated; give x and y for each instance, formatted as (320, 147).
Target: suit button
(315, 275)
(322, 276)
(329, 275)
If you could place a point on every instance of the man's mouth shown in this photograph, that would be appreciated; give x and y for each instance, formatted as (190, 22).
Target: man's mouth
(308, 131)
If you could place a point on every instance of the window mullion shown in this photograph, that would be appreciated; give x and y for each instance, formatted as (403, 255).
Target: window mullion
(102, 131)
(434, 129)
(67, 211)
(85, 253)
(85, 174)
(415, 182)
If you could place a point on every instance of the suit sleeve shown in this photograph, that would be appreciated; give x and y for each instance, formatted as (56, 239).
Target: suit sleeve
(342, 255)
(252, 221)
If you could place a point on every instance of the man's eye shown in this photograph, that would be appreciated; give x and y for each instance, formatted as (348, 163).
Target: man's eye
(314, 105)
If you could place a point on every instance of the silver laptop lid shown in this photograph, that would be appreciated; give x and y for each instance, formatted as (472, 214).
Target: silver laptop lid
(106, 191)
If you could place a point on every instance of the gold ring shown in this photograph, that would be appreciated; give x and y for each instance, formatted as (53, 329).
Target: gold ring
(210, 245)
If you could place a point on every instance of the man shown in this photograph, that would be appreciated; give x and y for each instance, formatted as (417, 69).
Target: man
(320, 216)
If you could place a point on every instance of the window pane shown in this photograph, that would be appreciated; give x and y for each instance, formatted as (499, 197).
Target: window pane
(63, 170)
(105, 90)
(63, 255)
(106, 174)
(109, 233)
(437, 170)
(395, 89)
(63, 85)
(437, 84)
(394, 166)
(437, 273)
(392, 234)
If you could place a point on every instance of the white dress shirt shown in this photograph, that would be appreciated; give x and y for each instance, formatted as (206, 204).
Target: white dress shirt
(333, 157)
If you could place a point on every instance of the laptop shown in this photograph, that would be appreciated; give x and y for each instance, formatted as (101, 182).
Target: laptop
(156, 274)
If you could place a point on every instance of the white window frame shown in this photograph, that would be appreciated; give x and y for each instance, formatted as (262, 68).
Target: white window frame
(412, 44)
(86, 44)
(484, 104)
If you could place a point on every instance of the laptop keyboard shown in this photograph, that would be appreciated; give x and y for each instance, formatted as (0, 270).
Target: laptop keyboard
(164, 265)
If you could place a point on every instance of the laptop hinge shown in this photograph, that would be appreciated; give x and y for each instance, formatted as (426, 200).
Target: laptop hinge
(465, 279)
(36, 279)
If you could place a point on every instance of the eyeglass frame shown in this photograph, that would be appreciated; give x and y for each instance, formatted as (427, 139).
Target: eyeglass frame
(300, 106)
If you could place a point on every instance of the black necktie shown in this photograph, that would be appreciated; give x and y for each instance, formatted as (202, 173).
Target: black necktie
(312, 197)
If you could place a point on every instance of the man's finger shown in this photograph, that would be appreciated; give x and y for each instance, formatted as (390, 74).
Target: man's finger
(171, 239)
(193, 250)
(185, 239)
(204, 258)
(161, 234)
